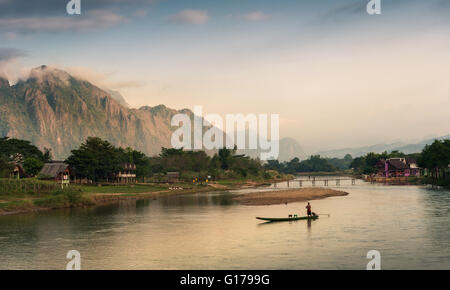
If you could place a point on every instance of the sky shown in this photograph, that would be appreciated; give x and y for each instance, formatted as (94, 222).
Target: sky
(337, 76)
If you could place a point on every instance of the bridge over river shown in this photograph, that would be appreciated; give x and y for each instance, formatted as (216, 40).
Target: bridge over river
(325, 181)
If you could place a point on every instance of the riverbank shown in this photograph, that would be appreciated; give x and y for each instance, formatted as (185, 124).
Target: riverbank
(87, 196)
(288, 196)
(407, 180)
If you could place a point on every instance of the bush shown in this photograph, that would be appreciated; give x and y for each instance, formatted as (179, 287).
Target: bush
(32, 166)
(5, 167)
(271, 174)
(61, 198)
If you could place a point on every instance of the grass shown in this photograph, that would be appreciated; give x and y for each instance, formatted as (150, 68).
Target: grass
(16, 205)
(28, 194)
(70, 197)
(60, 198)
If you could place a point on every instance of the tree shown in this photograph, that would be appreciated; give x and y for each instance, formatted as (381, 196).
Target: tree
(348, 158)
(315, 163)
(142, 162)
(47, 154)
(155, 164)
(167, 152)
(397, 154)
(5, 167)
(358, 163)
(341, 163)
(11, 146)
(275, 165)
(32, 166)
(215, 162)
(95, 159)
(367, 164)
(372, 159)
(436, 158)
(198, 160)
(293, 166)
(225, 157)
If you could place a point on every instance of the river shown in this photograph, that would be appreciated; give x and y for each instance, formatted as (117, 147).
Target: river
(408, 225)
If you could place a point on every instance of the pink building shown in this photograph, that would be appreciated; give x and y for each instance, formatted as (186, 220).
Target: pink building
(398, 167)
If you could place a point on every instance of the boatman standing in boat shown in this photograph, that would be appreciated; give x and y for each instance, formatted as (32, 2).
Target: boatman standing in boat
(308, 209)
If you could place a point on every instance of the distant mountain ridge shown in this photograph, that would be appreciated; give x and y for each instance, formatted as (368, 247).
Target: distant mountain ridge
(53, 109)
(379, 148)
(56, 110)
(289, 149)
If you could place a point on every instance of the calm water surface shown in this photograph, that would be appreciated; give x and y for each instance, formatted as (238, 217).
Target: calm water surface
(409, 225)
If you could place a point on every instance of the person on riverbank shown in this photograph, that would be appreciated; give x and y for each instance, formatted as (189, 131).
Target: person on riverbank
(308, 209)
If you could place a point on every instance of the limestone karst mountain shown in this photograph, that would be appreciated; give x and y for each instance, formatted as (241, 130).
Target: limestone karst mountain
(53, 109)
(56, 110)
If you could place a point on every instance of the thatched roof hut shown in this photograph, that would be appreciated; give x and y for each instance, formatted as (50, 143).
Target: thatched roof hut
(54, 170)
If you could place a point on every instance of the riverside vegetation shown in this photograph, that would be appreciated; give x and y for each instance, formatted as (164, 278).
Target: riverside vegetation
(434, 160)
(17, 196)
(98, 160)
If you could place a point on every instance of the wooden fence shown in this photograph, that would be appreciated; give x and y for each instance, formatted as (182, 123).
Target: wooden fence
(26, 186)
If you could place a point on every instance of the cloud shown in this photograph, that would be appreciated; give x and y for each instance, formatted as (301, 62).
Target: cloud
(189, 16)
(46, 8)
(441, 4)
(92, 20)
(10, 35)
(347, 9)
(141, 13)
(9, 59)
(7, 54)
(103, 80)
(256, 16)
(354, 8)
